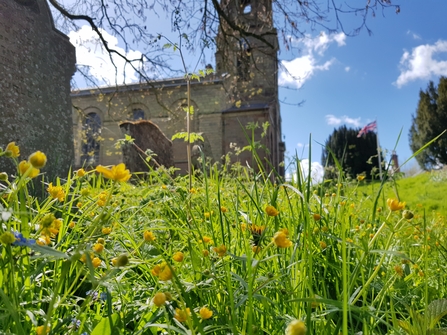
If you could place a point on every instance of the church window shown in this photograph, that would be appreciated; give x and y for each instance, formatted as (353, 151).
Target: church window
(138, 114)
(91, 136)
(246, 6)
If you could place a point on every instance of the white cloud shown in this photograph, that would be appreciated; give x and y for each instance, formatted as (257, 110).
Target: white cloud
(317, 171)
(422, 64)
(91, 53)
(333, 120)
(347, 68)
(296, 71)
(414, 35)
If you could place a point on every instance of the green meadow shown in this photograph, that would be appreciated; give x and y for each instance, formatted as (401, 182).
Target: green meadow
(231, 251)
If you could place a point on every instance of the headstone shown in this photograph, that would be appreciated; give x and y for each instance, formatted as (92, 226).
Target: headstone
(36, 65)
(146, 135)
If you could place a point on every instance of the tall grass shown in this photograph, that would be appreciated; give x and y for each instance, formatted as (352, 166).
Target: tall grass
(349, 269)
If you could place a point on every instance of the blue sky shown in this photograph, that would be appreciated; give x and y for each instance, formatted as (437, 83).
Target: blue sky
(344, 80)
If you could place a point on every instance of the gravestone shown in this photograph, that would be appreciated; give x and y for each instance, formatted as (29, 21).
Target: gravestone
(146, 135)
(36, 65)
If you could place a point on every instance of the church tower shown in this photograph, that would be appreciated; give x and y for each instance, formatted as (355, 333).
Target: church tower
(246, 59)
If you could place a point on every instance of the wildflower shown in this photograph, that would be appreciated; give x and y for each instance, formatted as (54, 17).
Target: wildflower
(407, 214)
(316, 230)
(24, 166)
(85, 192)
(221, 251)
(40, 330)
(7, 238)
(296, 327)
(159, 299)
(162, 271)
(205, 313)
(100, 240)
(223, 209)
(205, 253)
(256, 249)
(323, 245)
(43, 240)
(106, 230)
(56, 192)
(399, 270)
(207, 239)
(395, 205)
(317, 217)
(38, 159)
(281, 240)
(98, 247)
(182, 315)
(76, 323)
(193, 191)
(22, 241)
(12, 150)
(103, 296)
(207, 215)
(149, 236)
(256, 233)
(178, 256)
(117, 172)
(164, 187)
(3, 176)
(80, 173)
(271, 211)
(71, 225)
(114, 261)
(122, 260)
(360, 177)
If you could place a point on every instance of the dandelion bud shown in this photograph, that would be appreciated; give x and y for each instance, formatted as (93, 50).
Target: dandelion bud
(3, 176)
(407, 214)
(159, 299)
(122, 260)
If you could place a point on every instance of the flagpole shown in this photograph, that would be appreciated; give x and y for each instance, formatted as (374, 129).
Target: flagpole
(378, 151)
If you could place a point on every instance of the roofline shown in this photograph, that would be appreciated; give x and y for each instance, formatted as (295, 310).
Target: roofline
(171, 82)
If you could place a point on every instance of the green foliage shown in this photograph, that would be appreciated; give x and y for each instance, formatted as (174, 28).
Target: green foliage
(356, 155)
(324, 256)
(430, 121)
(191, 137)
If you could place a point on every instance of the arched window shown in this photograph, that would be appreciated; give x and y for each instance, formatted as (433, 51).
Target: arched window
(138, 114)
(91, 135)
(246, 6)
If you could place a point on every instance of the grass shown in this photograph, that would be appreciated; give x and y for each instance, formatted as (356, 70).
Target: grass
(257, 254)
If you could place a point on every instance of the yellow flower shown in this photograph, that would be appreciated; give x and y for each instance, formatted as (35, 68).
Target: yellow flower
(7, 238)
(207, 215)
(178, 256)
(80, 173)
(317, 217)
(71, 225)
(162, 271)
(395, 205)
(221, 251)
(323, 245)
(207, 239)
(149, 236)
(205, 253)
(98, 247)
(296, 327)
(223, 209)
(116, 172)
(271, 211)
(281, 240)
(40, 330)
(106, 230)
(85, 192)
(96, 262)
(12, 150)
(24, 166)
(360, 177)
(43, 240)
(56, 192)
(205, 313)
(182, 315)
(100, 240)
(38, 159)
(159, 299)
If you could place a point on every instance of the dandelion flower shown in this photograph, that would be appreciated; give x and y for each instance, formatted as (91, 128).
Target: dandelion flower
(205, 313)
(149, 236)
(207, 239)
(24, 166)
(96, 262)
(162, 271)
(38, 159)
(207, 215)
(56, 192)
(395, 205)
(271, 211)
(116, 172)
(221, 251)
(223, 209)
(296, 327)
(106, 230)
(159, 299)
(40, 330)
(98, 247)
(80, 173)
(281, 240)
(182, 315)
(361, 177)
(178, 256)
(12, 150)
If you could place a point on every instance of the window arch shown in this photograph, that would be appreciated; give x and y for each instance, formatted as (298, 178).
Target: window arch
(91, 136)
(137, 114)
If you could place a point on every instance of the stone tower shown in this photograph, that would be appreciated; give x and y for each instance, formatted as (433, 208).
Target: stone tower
(247, 60)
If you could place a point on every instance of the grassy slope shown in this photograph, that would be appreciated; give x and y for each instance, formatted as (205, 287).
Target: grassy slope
(426, 191)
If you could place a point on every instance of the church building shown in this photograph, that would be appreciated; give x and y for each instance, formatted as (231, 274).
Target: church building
(241, 91)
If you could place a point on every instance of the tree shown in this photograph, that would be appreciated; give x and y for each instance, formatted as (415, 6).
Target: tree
(430, 121)
(357, 155)
(199, 21)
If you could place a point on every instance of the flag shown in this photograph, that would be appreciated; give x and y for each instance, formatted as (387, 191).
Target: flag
(366, 129)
